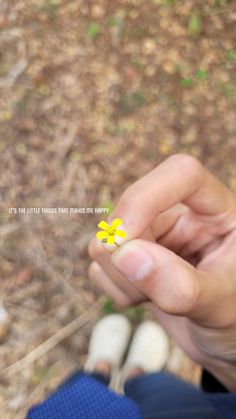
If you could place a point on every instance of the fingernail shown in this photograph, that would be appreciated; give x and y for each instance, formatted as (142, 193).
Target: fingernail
(133, 261)
(109, 247)
(120, 240)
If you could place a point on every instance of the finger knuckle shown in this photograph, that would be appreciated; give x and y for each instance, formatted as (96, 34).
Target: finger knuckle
(93, 270)
(95, 249)
(91, 249)
(189, 165)
(125, 198)
(191, 298)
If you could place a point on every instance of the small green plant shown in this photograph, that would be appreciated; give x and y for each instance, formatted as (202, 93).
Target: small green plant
(194, 24)
(169, 2)
(132, 101)
(136, 314)
(230, 55)
(108, 205)
(93, 30)
(221, 3)
(108, 306)
(112, 22)
(201, 74)
(50, 8)
(229, 91)
(185, 82)
(151, 155)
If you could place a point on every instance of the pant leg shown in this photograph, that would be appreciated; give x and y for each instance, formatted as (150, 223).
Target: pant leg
(85, 396)
(164, 396)
(104, 379)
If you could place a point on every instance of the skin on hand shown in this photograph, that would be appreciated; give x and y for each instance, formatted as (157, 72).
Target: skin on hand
(180, 254)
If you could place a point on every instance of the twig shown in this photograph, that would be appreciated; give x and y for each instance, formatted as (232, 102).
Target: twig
(54, 340)
(22, 63)
(67, 143)
(38, 259)
(69, 180)
(14, 73)
(220, 12)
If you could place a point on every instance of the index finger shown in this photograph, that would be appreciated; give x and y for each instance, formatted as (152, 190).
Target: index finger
(180, 178)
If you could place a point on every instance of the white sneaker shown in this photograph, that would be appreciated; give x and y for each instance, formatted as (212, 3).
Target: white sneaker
(108, 343)
(149, 350)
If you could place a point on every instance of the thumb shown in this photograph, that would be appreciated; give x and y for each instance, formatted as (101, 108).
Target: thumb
(174, 285)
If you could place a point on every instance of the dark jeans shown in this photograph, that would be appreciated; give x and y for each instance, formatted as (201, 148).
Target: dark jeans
(150, 396)
(163, 396)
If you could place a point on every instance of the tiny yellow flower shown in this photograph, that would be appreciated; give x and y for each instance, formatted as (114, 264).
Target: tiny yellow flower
(109, 233)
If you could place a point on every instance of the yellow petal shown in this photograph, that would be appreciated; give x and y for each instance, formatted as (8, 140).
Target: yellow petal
(116, 223)
(120, 233)
(101, 235)
(104, 225)
(110, 239)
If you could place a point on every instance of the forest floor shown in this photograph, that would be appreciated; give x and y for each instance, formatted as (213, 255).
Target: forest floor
(93, 96)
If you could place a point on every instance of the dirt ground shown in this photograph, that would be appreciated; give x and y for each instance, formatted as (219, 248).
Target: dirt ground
(94, 94)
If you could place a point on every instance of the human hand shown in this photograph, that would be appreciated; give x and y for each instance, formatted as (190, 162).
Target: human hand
(180, 253)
